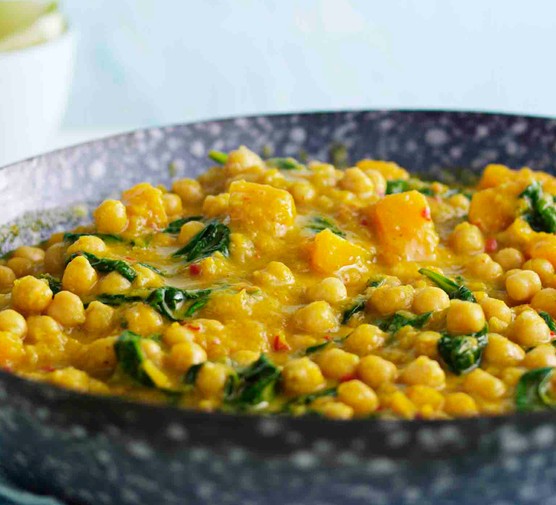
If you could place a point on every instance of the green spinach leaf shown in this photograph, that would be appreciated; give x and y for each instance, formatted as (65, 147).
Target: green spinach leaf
(463, 353)
(106, 265)
(541, 211)
(358, 306)
(319, 223)
(454, 290)
(284, 163)
(404, 318)
(54, 283)
(218, 157)
(175, 226)
(106, 237)
(215, 237)
(532, 391)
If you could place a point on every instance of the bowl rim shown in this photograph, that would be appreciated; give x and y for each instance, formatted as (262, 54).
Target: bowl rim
(51, 391)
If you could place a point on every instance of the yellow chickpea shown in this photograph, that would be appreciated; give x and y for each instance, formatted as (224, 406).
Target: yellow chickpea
(481, 383)
(502, 351)
(172, 204)
(98, 317)
(11, 349)
(375, 371)
(378, 180)
(7, 277)
(13, 322)
(356, 181)
(360, 397)
(113, 283)
(245, 357)
(46, 330)
(401, 405)
(189, 230)
(302, 376)
(31, 295)
(212, 378)
(429, 299)
(111, 217)
(426, 344)
(331, 290)
(460, 405)
(529, 329)
(492, 307)
(338, 364)
(189, 190)
(54, 258)
(464, 317)
(99, 357)
(216, 205)
(543, 268)
(88, 243)
(79, 277)
(274, 274)
(177, 334)
(425, 397)
(364, 339)
(387, 300)
(67, 308)
(183, 356)
(143, 320)
(483, 267)
(541, 356)
(146, 278)
(317, 317)
(467, 239)
(425, 371)
(35, 254)
(21, 266)
(336, 410)
(545, 300)
(509, 258)
(523, 285)
(302, 192)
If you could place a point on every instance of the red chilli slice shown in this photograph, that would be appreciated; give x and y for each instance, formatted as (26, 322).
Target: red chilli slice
(426, 213)
(491, 244)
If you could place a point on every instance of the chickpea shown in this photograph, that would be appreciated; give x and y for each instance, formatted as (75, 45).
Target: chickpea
(79, 277)
(336, 410)
(302, 192)
(543, 268)
(460, 405)
(375, 371)
(111, 217)
(467, 239)
(88, 243)
(7, 277)
(541, 356)
(46, 330)
(338, 364)
(331, 290)
(523, 285)
(509, 258)
(172, 204)
(54, 259)
(483, 267)
(177, 334)
(464, 317)
(183, 356)
(21, 266)
(98, 317)
(152, 351)
(425, 371)
(113, 284)
(245, 357)
(189, 230)
(378, 180)
(241, 160)
(545, 300)
(143, 319)
(429, 299)
(13, 322)
(493, 307)
(35, 254)
(11, 349)
(302, 376)
(459, 201)
(426, 344)
(356, 181)
(189, 190)
(387, 300)
(317, 317)
(401, 405)
(360, 397)
(424, 397)
(67, 308)
(364, 339)
(146, 278)
(99, 357)
(216, 205)
(274, 274)
(212, 378)
(529, 329)
(502, 351)
(481, 383)
(31, 295)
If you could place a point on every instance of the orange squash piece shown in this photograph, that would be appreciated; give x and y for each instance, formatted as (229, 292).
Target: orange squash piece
(330, 253)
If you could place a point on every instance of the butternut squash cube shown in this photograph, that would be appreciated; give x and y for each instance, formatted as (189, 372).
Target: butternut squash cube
(404, 228)
(261, 208)
(330, 253)
(389, 169)
(544, 246)
(494, 175)
(145, 207)
(494, 209)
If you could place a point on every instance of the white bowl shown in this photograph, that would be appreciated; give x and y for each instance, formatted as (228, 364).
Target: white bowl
(34, 88)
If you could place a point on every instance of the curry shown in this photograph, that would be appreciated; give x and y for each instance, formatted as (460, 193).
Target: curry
(286, 288)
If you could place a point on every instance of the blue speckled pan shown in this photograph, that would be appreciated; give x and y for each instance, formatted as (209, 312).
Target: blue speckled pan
(95, 451)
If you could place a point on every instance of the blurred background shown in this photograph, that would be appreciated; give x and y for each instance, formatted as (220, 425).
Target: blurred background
(140, 63)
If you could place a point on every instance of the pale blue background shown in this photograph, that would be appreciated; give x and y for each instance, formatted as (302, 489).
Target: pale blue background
(148, 62)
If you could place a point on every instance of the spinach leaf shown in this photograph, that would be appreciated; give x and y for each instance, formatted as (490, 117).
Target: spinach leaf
(215, 237)
(311, 397)
(404, 318)
(319, 347)
(463, 353)
(375, 283)
(105, 265)
(175, 226)
(548, 320)
(170, 302)
(319, 223)
(532, 391)
(253, 385)
(218, 157)
(115, 300)
(397, 186)
(154, 269)
(106, 237)
(190, 376)
(454, 290)
(358, 306)
(541, 211)
(284, 163)
(54, 284)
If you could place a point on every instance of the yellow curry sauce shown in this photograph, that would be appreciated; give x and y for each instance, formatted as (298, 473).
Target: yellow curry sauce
(282, 288)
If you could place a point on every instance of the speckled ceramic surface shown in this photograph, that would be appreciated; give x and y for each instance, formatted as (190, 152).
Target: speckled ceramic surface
(95, 451)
